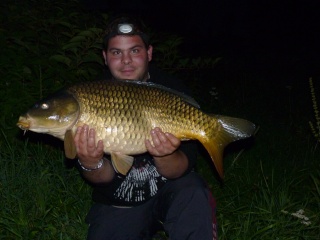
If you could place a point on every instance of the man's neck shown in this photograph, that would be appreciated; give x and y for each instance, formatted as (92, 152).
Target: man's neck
(143, 80)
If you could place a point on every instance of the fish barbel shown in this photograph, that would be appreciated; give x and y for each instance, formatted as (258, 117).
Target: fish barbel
(124, 112)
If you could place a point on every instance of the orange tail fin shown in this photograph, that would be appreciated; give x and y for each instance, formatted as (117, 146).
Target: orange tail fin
(228, 130)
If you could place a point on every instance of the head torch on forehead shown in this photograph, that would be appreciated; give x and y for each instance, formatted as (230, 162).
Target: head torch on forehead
(125, 28)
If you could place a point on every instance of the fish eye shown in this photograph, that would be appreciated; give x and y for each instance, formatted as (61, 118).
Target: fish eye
(44, 106)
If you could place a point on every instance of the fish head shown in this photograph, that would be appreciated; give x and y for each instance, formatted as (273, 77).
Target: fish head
(53, 115)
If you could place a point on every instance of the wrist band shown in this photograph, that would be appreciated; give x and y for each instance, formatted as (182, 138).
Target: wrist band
(100, 164)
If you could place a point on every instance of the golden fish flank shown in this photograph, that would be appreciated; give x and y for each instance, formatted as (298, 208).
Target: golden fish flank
(124, 112)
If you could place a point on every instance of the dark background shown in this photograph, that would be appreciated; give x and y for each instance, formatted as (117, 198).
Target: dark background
(265, 36)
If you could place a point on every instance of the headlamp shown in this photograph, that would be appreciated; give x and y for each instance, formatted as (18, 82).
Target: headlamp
(125, 28)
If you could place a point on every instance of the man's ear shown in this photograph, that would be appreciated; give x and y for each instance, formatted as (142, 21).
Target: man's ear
(105, 57)
(149, 51)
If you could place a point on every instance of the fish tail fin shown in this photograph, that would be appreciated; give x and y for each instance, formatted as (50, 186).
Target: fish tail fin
(229, 130)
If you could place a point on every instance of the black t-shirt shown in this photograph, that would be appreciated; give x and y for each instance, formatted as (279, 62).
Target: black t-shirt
(143, 180)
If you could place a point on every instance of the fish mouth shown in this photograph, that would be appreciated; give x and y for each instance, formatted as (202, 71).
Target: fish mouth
(23, 123)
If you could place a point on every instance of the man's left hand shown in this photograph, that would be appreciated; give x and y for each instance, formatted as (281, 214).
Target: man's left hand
(162, 144)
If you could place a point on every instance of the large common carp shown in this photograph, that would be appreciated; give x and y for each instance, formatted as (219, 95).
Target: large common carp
(124, 112)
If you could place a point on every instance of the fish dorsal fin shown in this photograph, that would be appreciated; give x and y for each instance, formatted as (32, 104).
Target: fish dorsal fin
(182, 95)
(121, 162)
(69, 145)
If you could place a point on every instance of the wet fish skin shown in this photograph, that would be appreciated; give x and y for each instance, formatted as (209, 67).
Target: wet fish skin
(124, 112)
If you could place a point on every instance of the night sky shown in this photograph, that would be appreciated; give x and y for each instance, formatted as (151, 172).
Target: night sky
(251, 32)
(286, 28)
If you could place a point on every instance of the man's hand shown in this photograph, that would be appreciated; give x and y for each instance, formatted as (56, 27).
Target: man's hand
(169, 160)
(88, 152)
(163, 144)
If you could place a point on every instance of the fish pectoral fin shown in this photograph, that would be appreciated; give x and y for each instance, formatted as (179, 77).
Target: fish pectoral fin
(121, 162)
(69, 145)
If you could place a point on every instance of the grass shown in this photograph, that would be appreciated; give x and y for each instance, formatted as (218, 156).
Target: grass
(40, 197)
(251, 205)
(256, 194)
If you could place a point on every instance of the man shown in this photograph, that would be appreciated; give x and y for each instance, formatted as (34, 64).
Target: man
(161, 185)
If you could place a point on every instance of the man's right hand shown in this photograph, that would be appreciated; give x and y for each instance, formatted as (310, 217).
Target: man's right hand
(89, 153)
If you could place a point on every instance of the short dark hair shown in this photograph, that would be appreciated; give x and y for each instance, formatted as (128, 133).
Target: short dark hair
(125, 26)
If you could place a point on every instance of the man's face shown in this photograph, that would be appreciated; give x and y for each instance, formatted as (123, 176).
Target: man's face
(127, 57)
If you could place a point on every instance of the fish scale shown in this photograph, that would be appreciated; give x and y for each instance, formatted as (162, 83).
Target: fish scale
(123, 114)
